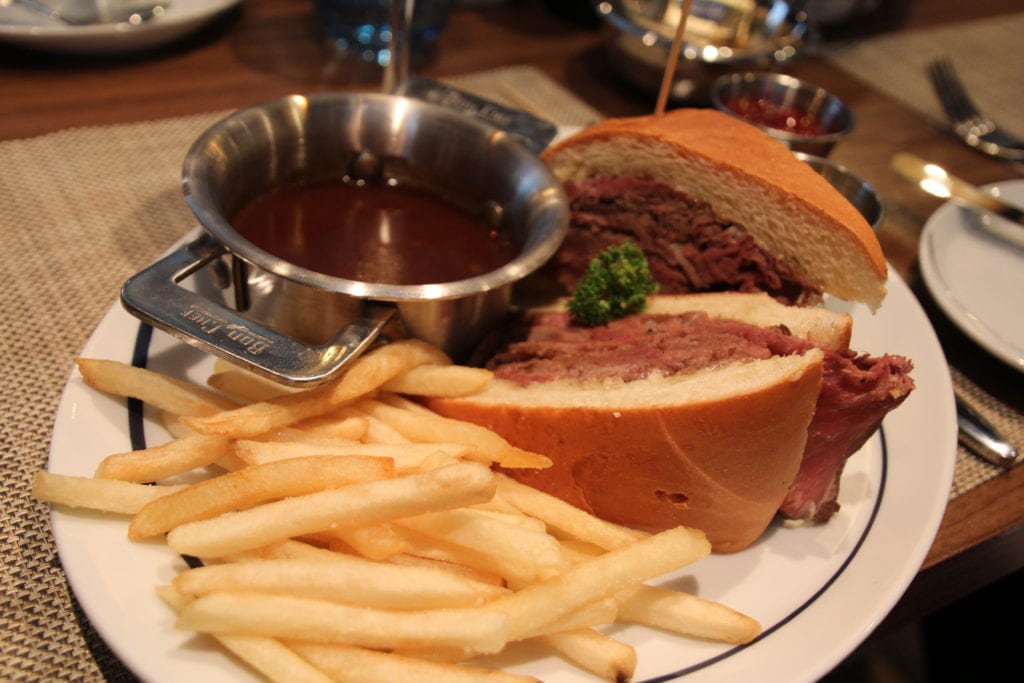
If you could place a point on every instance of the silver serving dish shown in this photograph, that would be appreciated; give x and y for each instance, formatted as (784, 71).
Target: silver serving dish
(831, 115)
(857, 191)
(722, 36)
(301, 327)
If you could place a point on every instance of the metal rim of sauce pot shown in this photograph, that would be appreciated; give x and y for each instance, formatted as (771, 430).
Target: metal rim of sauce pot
(330, 136)
(859, 192)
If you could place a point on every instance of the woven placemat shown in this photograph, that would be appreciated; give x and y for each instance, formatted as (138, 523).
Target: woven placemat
(83, 209)
(986, 53)
(988, 56)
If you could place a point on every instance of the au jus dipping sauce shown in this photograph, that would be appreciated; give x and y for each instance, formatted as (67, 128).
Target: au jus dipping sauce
(381, 232)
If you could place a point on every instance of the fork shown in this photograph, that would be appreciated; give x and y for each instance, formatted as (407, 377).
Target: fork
(976, 129)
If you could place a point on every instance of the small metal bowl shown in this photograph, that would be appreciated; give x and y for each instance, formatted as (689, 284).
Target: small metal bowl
(857, 191)
(302, 327)
(721, 37)
(825, 111)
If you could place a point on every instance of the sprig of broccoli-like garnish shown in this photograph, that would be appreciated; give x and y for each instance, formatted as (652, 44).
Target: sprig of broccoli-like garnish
(616, 284)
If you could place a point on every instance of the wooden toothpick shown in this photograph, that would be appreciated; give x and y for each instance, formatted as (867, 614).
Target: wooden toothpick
(673, 59)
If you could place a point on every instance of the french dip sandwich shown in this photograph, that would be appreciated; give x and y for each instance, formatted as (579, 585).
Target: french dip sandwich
(717, 205)
(731, 397)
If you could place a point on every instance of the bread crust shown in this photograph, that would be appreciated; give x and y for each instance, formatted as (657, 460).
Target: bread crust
(748, 178)
(716, 450)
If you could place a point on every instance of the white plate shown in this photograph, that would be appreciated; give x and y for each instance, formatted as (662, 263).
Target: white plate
(181, 17)
(818, 591)
(976, 276)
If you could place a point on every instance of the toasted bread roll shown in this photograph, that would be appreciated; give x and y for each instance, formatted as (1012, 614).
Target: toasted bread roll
(714, 447)
(748, 179)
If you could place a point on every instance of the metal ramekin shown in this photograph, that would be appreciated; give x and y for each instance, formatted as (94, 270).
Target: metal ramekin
(301, 327)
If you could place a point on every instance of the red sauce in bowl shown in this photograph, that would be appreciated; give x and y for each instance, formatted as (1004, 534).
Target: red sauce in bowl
(780, 117)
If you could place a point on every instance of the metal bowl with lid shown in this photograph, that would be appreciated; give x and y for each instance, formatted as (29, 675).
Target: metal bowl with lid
(721, 37)
(301, 327)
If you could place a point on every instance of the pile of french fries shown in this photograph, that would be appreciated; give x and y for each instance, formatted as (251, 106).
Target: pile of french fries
(347, 533)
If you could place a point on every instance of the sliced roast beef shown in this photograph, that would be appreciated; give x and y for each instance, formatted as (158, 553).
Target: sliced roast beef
(857, 391)
(688, 247)
(550, 347)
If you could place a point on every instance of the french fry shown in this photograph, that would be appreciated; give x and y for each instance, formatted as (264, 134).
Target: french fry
(538, 604)
(152, 388)
(378, 431)
(518, 553)
(579, 551)
(499, 504)
(686, 614)
(568, 519)
(246, 385)
(167, 460)
(352, 506)
(405, 456)
(254, 485)
(348, 664)
(298, 435)
(285, 550)
(257, 452)
(377, 541)
(172, 598)
(339, 424)
(231, 463)
(487, 446)
(455, 567)
(510, 516)
(172, 424)
(105, 495)
(599, 613)
(318, 621)
(439, 380)
(431, 549)
(274, 660)
(299, 550)
(349, 579)
(367, 373)
(255, 419)
(595, 652)
(279, 664)
(393, 399)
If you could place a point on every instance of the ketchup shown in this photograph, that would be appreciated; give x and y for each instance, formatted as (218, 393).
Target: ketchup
(780, 117)
(373, 232)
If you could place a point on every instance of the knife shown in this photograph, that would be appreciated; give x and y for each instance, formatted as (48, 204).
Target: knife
(935, 180)
(982, 438)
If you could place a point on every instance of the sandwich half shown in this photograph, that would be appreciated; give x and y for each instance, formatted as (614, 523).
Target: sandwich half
(717, 205)
(698, 411)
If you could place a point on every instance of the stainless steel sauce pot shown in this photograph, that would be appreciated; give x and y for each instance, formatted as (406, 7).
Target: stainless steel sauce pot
(301, 327)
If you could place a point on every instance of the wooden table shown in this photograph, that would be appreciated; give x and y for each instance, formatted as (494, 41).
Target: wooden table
(268, 48)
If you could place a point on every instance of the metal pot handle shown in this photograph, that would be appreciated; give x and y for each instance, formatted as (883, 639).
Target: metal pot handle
(154, 296)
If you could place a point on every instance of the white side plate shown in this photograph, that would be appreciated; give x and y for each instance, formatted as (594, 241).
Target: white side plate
(180, 18)
(976, 276)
